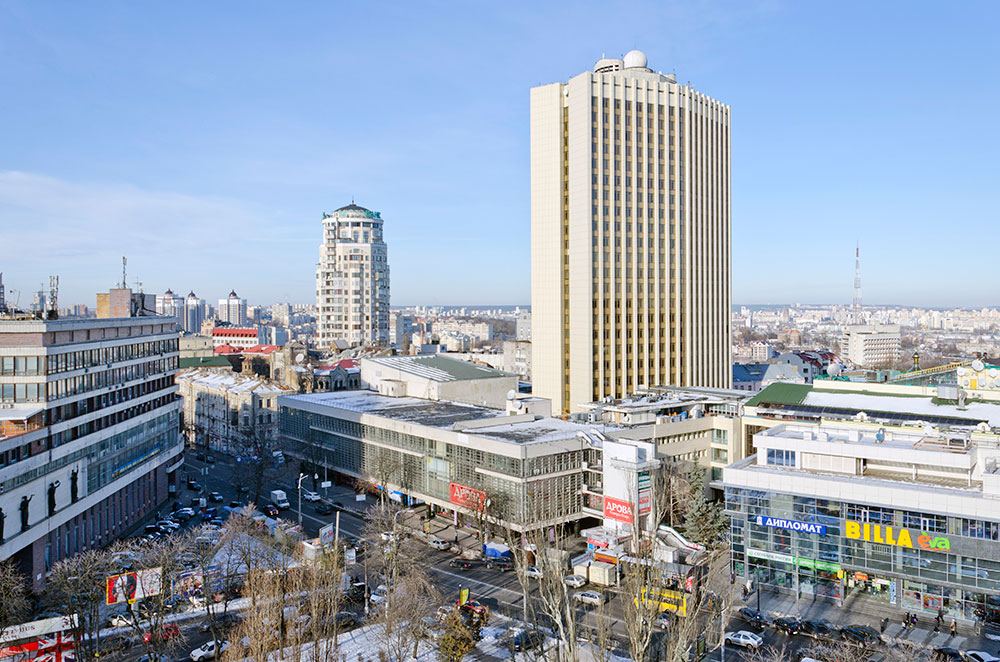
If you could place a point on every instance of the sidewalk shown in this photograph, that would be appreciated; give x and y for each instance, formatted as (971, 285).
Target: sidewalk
(859, 610)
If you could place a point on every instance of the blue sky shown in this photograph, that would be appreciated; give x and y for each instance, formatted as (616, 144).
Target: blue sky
(204, 140)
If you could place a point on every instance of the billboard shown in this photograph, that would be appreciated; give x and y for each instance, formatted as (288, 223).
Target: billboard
(131, 586)
(326, 535)
(467, 497)
(618, 510)
(46, 640)
(645, 502)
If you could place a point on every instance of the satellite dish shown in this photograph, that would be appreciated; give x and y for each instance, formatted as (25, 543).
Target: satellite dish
(993, 373)
(512, 394)
(959, 371)
(977, 365)
(834, 370)
(300, 357)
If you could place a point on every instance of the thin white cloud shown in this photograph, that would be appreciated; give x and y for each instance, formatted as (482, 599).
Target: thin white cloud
(81, 229)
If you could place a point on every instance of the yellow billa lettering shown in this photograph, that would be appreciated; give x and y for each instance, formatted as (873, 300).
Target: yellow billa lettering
(904, 538)
(852, 530)
(877, 534)
(868, 531)
(888, 536)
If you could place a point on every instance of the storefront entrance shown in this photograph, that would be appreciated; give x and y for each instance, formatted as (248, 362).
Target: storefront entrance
(865, 583)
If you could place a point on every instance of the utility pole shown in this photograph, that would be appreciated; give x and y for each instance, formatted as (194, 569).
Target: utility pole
(301, 476)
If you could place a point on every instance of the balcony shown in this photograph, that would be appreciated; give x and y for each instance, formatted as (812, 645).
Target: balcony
(19, 420)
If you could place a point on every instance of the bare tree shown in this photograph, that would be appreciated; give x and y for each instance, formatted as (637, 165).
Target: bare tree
(13, 596)
(79, 582)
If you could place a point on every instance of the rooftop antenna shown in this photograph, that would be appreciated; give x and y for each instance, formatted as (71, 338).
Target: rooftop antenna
(857, 278)
(53, 313)
(123, 273)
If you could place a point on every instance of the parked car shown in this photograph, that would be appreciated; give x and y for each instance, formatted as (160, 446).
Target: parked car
(164, 633)
(222, 621)
(463, 564)
(215, 497)
(325, 508)
(210, 513)
(167, 524)
(210, 459)
(754, 617)
(664, 620)
(235, 505)
(501, 564)
(788, 624)
(744, 638)
(194, 485)
(947, 654)
(309, 495)
(533, 572)
(120, 620)
(380, 594)
(200, 456)
(346, 619)
(270, 510)
(154, 657)
(980, 656)
(588, 597)
(474, 609)
(817, 629)
(208, 651)
(526, 640)
(861, 634)
(576, 581)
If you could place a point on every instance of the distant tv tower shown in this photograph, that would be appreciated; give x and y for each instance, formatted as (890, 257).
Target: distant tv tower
(857, 278)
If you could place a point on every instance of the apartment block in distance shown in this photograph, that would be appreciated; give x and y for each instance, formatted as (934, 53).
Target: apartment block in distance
(871, 345)
(630, 235)
(89, 435)
(352, 280)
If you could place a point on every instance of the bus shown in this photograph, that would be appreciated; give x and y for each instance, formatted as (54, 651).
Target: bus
(664, 600)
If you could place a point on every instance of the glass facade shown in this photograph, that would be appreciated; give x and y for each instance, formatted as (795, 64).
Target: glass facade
(917, 561)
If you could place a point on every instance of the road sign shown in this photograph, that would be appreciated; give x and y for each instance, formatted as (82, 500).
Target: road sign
(325, 484)
(359, 497)
(326, 535)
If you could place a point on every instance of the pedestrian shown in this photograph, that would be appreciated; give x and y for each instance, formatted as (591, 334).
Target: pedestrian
(940, 615)
(906, 620)
(882, 625)
(954, 627)
(937, 625)
(913, 621)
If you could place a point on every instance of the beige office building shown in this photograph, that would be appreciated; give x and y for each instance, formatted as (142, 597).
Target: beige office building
(630, 235)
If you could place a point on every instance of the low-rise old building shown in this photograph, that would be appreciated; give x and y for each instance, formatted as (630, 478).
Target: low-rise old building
(221, 409)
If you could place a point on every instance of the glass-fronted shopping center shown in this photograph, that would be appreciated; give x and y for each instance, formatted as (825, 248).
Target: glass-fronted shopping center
(828, 511)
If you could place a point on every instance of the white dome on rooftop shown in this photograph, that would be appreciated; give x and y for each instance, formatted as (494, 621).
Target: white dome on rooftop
(635, 60)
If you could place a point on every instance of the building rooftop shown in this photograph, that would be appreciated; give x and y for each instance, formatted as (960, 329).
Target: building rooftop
(469, 419)
(438, 368)
(893, 403)
(233, 382)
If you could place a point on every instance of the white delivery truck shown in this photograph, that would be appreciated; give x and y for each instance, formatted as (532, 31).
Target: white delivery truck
(280, 499)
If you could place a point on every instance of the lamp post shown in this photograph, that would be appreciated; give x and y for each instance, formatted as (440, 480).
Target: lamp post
(301, 476)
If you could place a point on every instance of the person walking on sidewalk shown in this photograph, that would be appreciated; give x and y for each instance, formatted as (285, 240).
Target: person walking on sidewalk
(913, 621)
(883, 624)
(906, 620)
(954, 627)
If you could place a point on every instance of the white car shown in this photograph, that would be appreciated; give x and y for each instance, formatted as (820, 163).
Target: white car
(533, 572)
(745, 639)
(309, 495)
(437, 543)
(120, 621)
(588, 597)
(165, 523)
(185, 511)
(664, 621)
(380, 594)
(207, 651)
(576, 581)
(981, 656)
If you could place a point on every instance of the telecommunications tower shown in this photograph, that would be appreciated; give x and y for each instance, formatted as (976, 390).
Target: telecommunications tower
(857, 279)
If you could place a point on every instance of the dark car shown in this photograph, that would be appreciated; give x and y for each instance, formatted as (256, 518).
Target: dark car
(526, 640)
(209, 514)
(270, 510)
(464, 564)
(501, 564)
(235, 504)
(325, 508)
(946, 654)
(210, 459)
(346, 619)
(754, 617)
(177, 506)
(151, 528)
(817, 629)
(200, 456)
(788, 624)
(194, 485)
(222, 621)
(215, 497)
(861, 634)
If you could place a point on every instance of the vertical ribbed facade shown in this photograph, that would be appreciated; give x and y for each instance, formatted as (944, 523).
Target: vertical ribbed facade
(630, 231)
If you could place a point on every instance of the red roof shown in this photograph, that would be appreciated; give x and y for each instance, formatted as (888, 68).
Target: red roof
(234, 333)
(346, 364)
(227, 349)
(262, 349)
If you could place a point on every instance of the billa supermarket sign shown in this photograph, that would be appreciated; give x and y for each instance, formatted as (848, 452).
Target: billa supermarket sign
(467, 497)
(618, 510)
(890, 535)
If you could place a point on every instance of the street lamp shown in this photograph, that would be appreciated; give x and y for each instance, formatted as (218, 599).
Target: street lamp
(301, 476)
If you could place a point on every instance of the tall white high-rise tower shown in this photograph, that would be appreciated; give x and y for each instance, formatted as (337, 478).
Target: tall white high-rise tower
(630, 234)
(352, 279)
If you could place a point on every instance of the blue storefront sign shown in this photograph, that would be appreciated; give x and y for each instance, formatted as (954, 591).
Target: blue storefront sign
(791, 525)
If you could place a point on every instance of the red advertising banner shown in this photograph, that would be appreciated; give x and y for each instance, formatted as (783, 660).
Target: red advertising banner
(47, 640)
(645, 502)
(618, 509)
(467, 497)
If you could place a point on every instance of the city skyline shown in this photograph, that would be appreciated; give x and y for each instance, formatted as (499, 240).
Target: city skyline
(212, 163)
